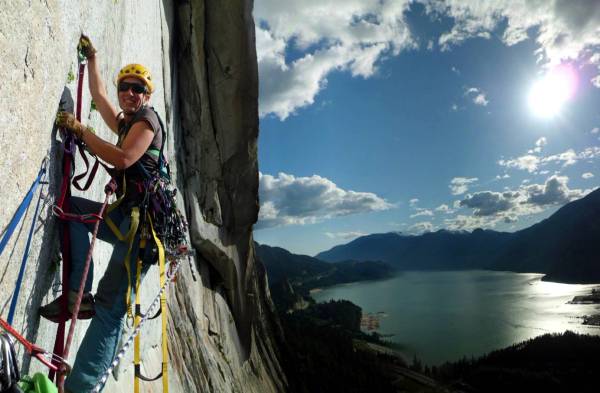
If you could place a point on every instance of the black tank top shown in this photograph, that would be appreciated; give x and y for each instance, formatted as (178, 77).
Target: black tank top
(148, 163)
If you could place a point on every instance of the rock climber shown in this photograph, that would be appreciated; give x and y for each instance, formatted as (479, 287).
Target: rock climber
(139, 140)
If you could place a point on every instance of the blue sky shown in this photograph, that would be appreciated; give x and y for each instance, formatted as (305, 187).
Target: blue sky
(414, 116)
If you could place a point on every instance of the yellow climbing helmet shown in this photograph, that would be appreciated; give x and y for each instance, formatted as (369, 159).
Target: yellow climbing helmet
(137, 71)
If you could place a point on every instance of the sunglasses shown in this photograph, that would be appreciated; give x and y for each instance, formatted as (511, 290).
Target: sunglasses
(135, 87)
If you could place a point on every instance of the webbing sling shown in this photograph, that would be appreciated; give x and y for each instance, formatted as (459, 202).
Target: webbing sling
(68, 163)
(163, 312)
(17, 217)
(128, 237)
(21, 210)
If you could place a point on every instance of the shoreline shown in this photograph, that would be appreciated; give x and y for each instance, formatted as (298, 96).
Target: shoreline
(592, 298)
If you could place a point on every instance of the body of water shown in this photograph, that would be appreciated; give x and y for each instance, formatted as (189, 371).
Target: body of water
(443, 316)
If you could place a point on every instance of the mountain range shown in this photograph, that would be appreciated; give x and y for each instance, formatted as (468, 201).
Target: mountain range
(565, 246)
(305, 272)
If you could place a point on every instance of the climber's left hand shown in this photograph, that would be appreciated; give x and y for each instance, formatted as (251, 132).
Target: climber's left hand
(67, 121)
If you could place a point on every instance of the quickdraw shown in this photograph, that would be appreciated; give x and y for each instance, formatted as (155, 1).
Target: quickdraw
(49, 359)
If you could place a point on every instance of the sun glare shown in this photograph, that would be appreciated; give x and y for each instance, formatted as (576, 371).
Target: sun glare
(548, 95)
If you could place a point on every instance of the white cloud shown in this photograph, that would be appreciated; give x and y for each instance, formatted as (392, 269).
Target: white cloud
(587, 175)
(287, 200)
(564, 28)
(568, 157)
(554, 191)
(354, 35)
(422, 212)
(595, 130)
(430, 45)
(420, 227)
(443, 208)
(528, 162)
(477, 95)
(460, 185)
(589, 153)
(480, 100)
(539, 144)
(467, 223)
(491, 208)
(455, 70)
(413, 202)
(505, 176)
(344, 235)
(489, 203)
(532, 163)
(343, 35)
(454, 107)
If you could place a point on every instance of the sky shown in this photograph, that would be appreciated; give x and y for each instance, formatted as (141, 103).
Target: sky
(412, 116)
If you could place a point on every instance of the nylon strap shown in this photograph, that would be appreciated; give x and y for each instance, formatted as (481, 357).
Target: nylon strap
(163, 309)
(65, 205)
(163, 312)
(153, 152)
(128, 237)
(15, 296)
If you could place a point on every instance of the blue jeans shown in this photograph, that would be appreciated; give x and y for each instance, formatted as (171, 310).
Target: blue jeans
(99, 346)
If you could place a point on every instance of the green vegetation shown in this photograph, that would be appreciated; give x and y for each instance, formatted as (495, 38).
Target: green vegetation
(70, 76)
(320, 354)
(565, 362)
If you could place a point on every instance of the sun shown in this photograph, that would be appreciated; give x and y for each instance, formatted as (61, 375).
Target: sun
(549, 94)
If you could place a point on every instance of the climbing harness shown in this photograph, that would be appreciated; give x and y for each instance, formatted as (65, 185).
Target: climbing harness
(17, 217)
(172, 272)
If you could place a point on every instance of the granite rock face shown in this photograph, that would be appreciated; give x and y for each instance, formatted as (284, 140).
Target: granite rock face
(222, 331)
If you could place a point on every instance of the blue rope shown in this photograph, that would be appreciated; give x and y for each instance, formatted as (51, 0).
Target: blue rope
(11, 227)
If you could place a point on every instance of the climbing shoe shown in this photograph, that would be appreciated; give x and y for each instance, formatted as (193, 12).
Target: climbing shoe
(52, 311)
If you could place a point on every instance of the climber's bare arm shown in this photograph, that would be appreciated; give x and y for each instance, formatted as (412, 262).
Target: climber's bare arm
(136, 143)
(98, 90)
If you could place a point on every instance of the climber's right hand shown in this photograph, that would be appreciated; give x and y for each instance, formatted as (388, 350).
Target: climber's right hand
(67, 121)
(86, 47)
